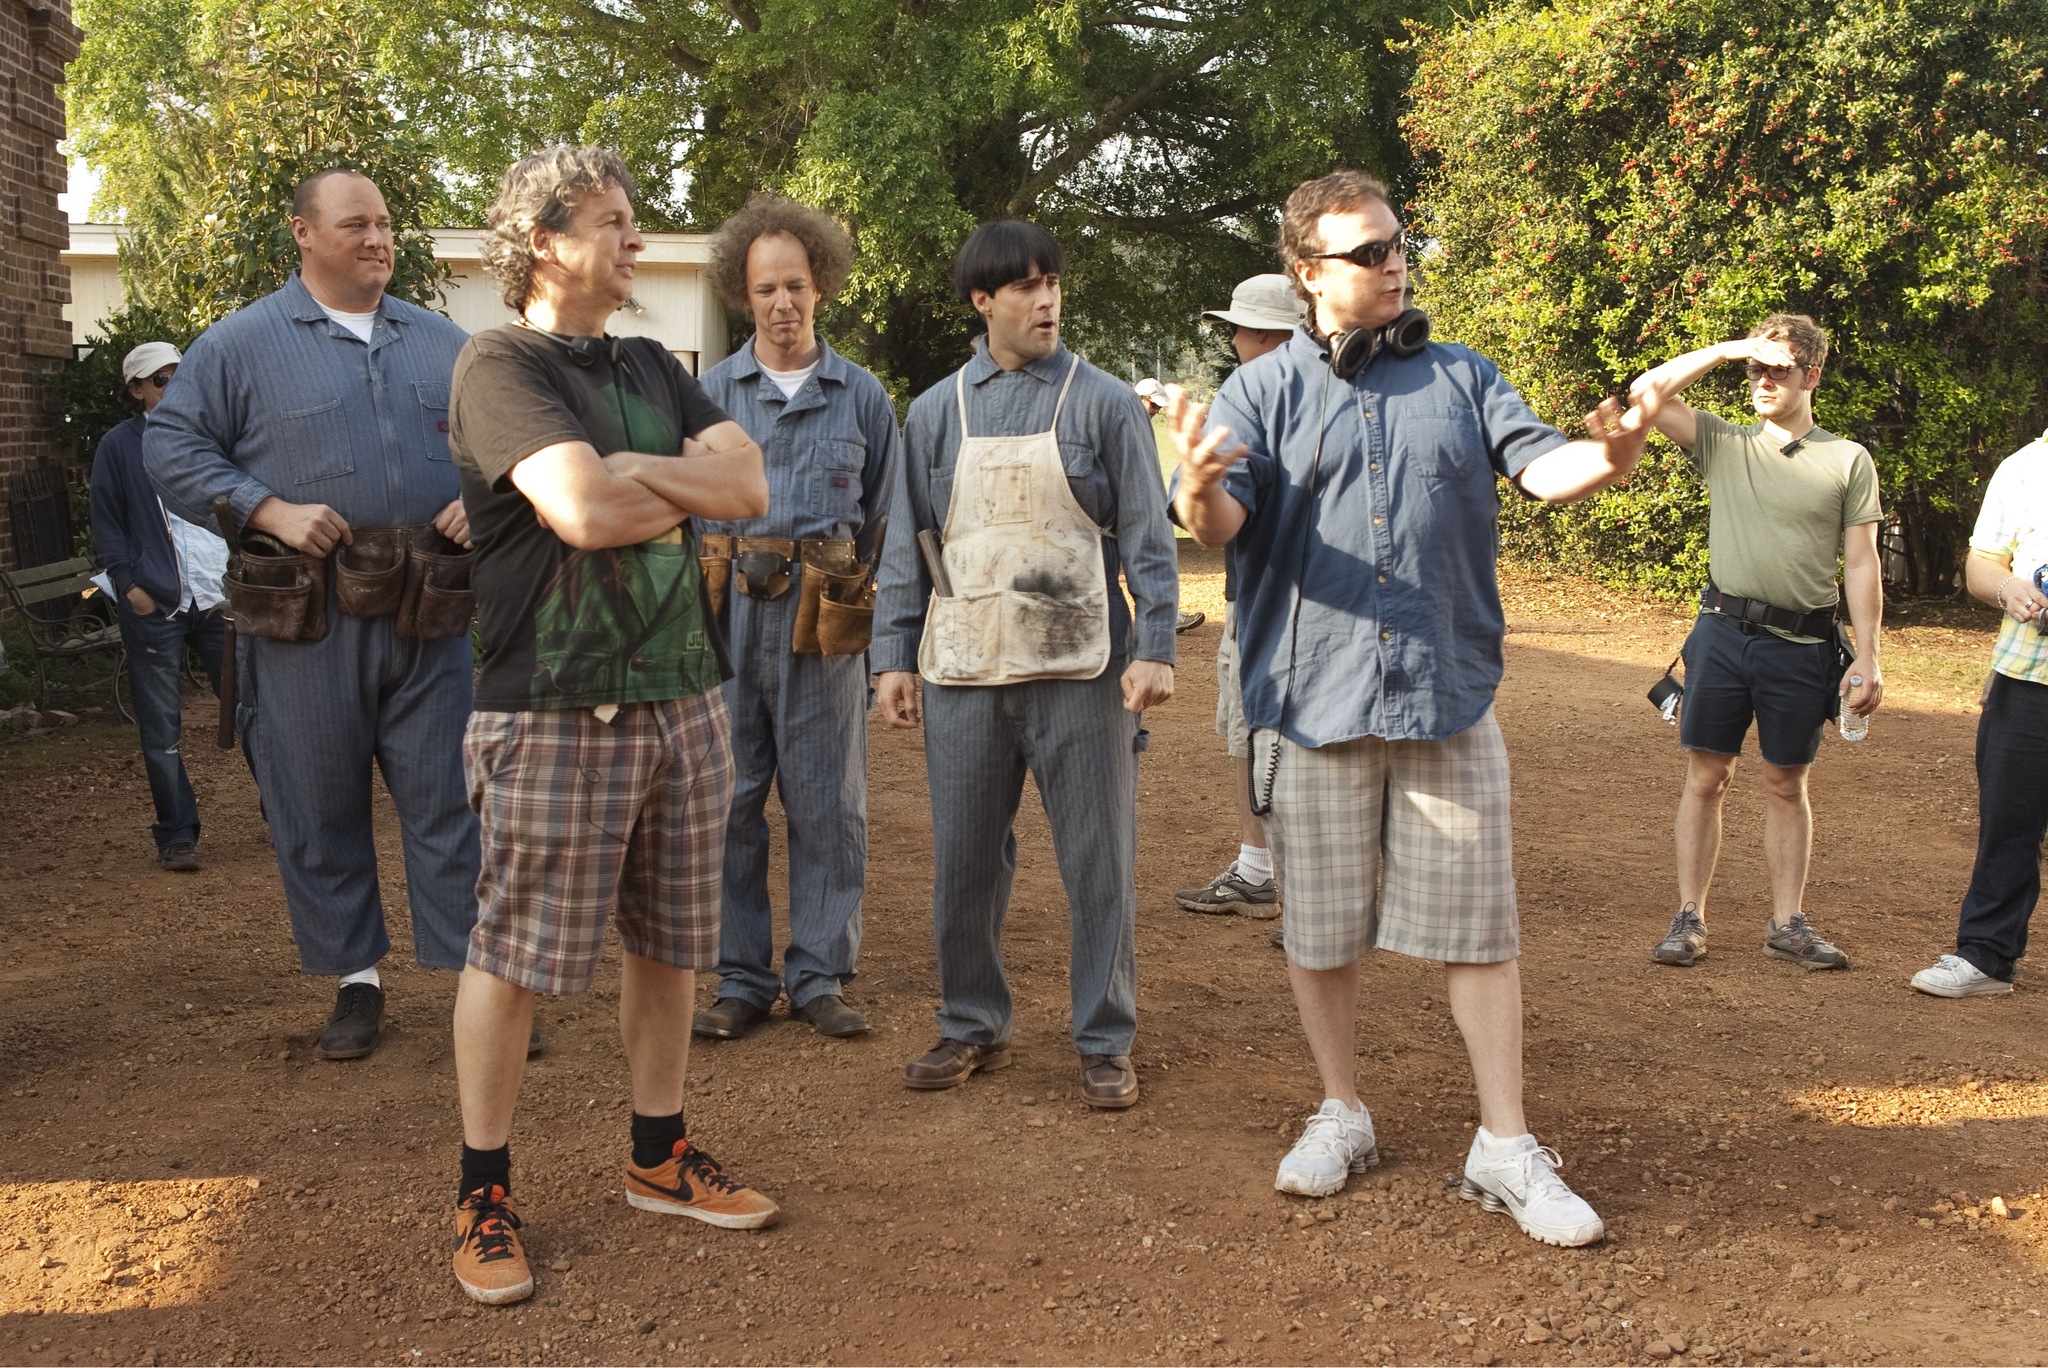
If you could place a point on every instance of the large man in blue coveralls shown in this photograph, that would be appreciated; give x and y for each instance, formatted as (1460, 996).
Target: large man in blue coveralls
(796, 591)
(318, 412)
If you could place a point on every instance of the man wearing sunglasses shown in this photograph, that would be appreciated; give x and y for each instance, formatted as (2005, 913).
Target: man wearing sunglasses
(166, 574)
(1785, 498)
(1355, 474)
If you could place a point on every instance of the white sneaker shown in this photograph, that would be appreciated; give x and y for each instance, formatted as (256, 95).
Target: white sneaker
(1952, 976)
(1524, 1183)
(1336, 1143)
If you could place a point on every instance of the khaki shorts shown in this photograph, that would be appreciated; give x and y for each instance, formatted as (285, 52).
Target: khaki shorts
(1402, 846)
(580, 820)
(1229, 693)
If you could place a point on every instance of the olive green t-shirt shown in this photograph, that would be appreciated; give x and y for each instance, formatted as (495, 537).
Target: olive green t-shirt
(1775, 522)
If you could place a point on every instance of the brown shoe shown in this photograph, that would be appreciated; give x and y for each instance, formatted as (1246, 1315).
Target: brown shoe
(690, 1183)
(729, 1018)
(948, 1063)
(830, 1016)
(1108, 1081)
(489, 1262)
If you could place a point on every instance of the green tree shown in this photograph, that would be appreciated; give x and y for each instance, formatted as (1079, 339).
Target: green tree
(206, 117)
(1611, 182)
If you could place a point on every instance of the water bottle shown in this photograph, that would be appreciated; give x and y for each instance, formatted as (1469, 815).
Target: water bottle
(1852, 726)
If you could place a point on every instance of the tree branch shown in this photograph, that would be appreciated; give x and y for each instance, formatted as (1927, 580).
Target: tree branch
(1167, 223)
(1111, 122)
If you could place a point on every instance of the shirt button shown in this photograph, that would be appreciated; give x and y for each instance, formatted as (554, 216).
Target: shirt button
(1377, 522)
(1383, 579)
(1368, 415)
(1386, 636)
(1374, 466)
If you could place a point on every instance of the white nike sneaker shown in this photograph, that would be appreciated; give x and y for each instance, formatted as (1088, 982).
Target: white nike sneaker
(1952, 976)
(1336, 1143)
(1524, 1184)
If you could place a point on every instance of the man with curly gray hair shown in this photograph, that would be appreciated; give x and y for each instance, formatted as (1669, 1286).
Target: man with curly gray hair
(599, 760)
(798, 587)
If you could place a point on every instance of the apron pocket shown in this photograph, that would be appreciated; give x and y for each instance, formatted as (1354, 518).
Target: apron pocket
(370, 573)
(961, 642)
(1049, 638)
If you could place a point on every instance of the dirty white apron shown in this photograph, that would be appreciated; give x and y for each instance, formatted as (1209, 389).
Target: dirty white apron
(1029, 598)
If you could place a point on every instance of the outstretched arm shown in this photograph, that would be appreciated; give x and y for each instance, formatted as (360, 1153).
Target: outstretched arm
(1588, 466)
(1675, 420)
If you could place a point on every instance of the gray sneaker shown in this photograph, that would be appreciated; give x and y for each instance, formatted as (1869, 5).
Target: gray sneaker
(1797, 941)
(1232, 892)
(1685, 944)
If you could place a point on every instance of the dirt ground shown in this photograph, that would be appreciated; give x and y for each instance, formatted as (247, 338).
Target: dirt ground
(1793, 1168)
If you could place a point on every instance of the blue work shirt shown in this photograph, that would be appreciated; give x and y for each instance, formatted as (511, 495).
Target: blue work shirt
(831, 450)
(1112, 465)
(1367, 599)
(278, 399)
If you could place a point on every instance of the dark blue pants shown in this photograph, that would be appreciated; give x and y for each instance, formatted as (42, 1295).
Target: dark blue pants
(156, 647)
(2012, 821)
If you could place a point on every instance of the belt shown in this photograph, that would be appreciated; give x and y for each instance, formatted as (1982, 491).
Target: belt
(1750, 614)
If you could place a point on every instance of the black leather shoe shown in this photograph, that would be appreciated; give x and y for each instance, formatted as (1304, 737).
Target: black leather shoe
(358, 1017)
(949, 1063)
(830, 1016)
(729, 1018)
(1108, 1081)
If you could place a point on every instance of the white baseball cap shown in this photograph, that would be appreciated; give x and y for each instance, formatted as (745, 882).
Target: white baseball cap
(1151, 391)
(148, 359)
(1264, 301)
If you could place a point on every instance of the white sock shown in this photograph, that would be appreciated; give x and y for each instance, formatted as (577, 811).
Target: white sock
(1501, 1147)
(1358, 1111)
(1255, 863)
(368, 976)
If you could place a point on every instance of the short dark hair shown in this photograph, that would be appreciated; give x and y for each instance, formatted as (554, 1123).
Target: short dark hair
(1332, 194)
(1006, 250)
(766, 213)
(308, 192)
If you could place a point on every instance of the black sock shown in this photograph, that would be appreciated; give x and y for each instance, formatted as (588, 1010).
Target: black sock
(654, 1138)
(485, 1168)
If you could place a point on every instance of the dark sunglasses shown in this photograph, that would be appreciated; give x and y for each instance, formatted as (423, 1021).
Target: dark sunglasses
(1368, 254)
(161, 378)
(1778, 374)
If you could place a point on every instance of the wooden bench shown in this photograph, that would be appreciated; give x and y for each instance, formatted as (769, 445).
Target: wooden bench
(57, 606)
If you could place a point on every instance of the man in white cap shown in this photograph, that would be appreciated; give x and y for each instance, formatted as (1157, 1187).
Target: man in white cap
(166, 574)
(1263, 311)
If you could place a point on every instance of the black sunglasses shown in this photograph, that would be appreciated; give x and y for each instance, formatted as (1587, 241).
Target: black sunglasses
(1368, 254)
(161, 378)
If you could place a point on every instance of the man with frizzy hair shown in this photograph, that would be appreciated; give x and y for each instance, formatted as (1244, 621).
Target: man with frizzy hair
(1354, 473)
(1016, 467)
(795, 589)
(599, 762)
(1785, 499)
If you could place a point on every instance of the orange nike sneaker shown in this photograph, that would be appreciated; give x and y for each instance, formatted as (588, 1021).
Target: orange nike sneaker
(489, 1262)
(690, 1183)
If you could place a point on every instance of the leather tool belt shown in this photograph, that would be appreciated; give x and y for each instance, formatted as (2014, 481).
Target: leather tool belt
(835, 609)
(1753, 615)
(413, 574)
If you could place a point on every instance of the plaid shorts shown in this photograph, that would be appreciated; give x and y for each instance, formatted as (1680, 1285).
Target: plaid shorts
(1401, 846)
(1229, 694)
(579, 818)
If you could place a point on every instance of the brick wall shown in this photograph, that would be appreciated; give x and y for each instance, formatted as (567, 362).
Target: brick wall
(37, 39)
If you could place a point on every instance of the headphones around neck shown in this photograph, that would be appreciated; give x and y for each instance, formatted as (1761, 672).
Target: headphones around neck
(583, 351)
(1348, 352)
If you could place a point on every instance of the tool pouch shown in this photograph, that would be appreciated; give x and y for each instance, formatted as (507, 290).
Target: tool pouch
(369, 573)
(835, 609)
(760, 571)
(278, 593)
(438, 602)
(714, 558)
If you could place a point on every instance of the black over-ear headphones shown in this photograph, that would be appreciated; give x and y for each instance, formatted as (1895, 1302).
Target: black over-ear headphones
(1349, 351)
(583, 351)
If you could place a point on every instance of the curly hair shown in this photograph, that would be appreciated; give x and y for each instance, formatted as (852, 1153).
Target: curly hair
(1335, 193)
(765, 214)
(542, 191)
(1803, 337)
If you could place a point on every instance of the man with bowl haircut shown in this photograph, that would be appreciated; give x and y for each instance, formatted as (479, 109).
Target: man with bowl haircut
(797, 615)
(1785, 497)
(599, 758)
(1017, 468)
(319, 410)
(1355, 472)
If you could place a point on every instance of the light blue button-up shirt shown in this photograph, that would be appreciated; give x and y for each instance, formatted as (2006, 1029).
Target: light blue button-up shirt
(831, 450)
(278, 399)
(1367, 598)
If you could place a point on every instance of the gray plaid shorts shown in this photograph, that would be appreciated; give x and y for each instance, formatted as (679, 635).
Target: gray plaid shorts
(579, 819)
(1395, 845)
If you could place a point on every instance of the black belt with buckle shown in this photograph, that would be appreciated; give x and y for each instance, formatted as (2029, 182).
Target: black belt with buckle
(1753, 614)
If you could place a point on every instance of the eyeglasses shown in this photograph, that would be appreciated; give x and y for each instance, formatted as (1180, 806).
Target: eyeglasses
(162, 378)
(1368, 254)
(1778, 375)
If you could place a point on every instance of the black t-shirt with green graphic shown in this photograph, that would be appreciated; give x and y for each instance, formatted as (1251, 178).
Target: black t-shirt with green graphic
(564, 628)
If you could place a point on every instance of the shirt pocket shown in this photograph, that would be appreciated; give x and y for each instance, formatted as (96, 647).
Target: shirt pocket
(1086, 479)
(1443, 443)
(315, 441)
(836, 468)
(430, 418)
